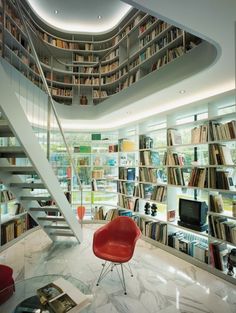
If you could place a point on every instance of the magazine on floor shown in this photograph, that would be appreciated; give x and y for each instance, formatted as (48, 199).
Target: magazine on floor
(62, 296)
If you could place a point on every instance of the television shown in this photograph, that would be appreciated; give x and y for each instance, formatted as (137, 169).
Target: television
(192, 214)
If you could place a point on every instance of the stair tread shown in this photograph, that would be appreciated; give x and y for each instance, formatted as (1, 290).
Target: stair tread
(12, 151)
(45, 208)
(52, 218)
(62, 233)
(11, 148)
(57, 227)
(29, 185)
(18, 169)
(37, 198)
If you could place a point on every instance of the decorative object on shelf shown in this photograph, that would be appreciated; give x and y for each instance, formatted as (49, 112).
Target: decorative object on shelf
(154, 209)
(171, 215)
(147, 208)
(81, 212)
(83, 100)
(231, 262)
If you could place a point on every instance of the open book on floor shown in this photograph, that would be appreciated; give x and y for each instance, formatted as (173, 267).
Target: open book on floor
(62, 296)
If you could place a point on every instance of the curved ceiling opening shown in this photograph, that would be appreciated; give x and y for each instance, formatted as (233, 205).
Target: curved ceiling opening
(80, 16)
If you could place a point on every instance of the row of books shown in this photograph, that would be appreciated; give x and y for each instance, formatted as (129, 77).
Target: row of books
(86, 80)
(145, 142)
(127, 173)
(143, 191)
(126, 188)
(99, 93)
(112, 55)
(172, 158)
(109, 79)
(146, 25)
(199, 134)
(221, 179)
(156, 230)
(222, 228)
(126, 202)
(13, 229)
(6, 195)
(175, 176)
(187, 244)
(85, 58)
(218, 255)
(150, 192)
(198, 177)
(132, 65)
(148, 175)
(109, 67)
(175, 53)
(220, 155)
(220, 131)
(173, 137)
(149, 158)
(216, 203)
(61, 92)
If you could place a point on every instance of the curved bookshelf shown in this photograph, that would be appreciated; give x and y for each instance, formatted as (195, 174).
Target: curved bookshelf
(97, 67)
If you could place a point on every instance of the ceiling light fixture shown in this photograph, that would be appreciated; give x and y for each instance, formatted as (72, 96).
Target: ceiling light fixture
(56, 11)
(99, 17)
(182, 91)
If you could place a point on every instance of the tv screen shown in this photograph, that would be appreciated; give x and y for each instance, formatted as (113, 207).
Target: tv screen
(192, 211)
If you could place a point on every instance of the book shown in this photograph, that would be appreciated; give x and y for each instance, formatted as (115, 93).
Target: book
(62, 296)
(173, 137)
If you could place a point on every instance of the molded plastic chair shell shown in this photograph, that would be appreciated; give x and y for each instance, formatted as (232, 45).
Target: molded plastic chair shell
(115, 241)
(7, 286)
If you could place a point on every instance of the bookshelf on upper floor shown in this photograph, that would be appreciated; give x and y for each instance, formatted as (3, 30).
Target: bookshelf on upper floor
(94, 67)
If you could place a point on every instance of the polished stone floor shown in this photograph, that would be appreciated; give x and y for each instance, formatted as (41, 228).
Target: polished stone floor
(161, 283)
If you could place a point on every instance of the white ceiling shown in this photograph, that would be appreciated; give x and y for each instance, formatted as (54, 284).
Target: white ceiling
(80, 15)
(213, 20)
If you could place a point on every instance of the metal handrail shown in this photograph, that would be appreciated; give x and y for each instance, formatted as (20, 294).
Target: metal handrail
(49, 95)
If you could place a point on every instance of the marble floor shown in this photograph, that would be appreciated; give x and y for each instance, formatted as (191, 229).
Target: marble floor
(161, 283)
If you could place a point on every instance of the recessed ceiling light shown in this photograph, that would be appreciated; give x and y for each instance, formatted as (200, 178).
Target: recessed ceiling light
(56, 11)
(99, 17)
(182, 91)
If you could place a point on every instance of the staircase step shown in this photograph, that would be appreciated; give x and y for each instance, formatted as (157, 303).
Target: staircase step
(28, 185)
(9, 152)
(62, 233)
(52, 218)
(45, 209)
(18, 169)
(57, 226)
(35, 197)
(5, 130)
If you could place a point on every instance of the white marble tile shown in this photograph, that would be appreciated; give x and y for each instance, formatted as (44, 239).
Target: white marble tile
(161, 283)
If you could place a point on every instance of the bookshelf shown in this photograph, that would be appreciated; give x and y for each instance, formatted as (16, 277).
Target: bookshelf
(197, 161)
(86, 69)
(14, 220)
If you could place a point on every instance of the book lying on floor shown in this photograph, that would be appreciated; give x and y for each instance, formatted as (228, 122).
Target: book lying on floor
(62, 296)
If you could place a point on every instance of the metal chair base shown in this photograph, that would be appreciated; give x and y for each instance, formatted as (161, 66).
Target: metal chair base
(109, 266)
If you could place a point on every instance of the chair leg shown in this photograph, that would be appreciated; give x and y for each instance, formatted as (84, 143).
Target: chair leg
(106, 268)
(104, 271)
(123, 278)
(129, 269)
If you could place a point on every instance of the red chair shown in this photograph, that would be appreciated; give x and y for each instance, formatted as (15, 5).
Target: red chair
(115, 243)
(7, 286)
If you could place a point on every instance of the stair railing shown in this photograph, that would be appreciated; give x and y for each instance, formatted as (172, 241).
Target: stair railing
(51, 107)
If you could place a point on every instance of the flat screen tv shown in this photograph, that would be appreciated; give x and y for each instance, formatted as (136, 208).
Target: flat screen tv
(192, 214)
